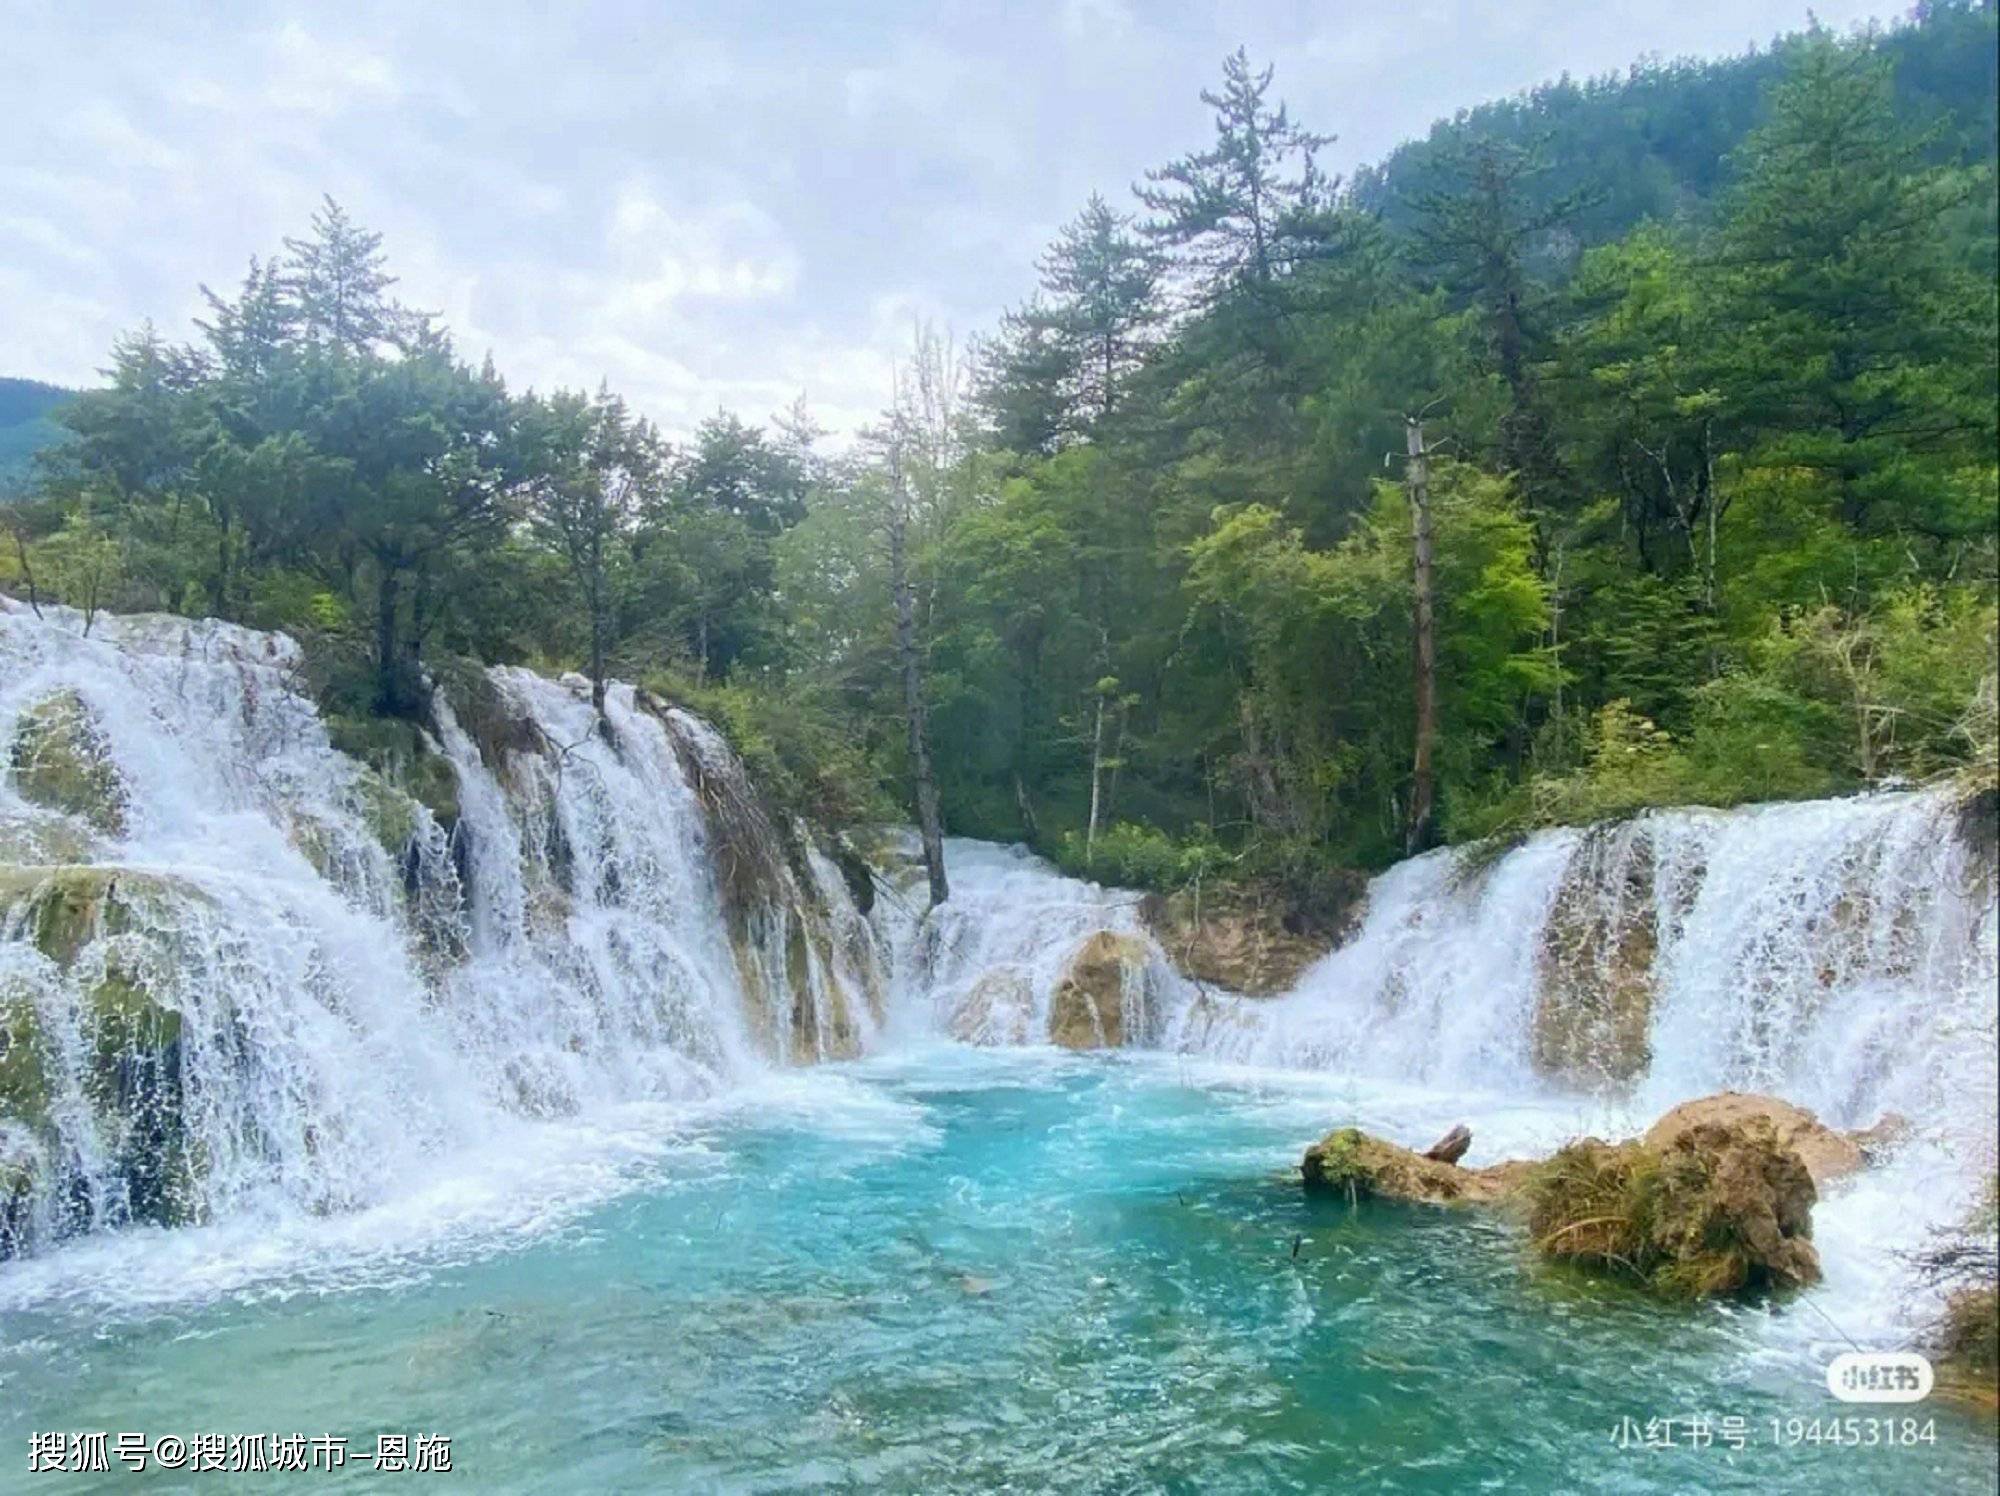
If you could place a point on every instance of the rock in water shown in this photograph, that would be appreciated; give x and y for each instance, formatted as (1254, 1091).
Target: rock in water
(1827, 1154)
(1716, 1198)
(1717, 1208)
(1253, 939)
(1102, 995)
(1450, 1148)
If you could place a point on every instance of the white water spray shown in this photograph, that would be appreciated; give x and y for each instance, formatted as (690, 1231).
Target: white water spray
(226, 992)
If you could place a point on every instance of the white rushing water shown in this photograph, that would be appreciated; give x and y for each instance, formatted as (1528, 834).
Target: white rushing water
(1839, 953)
(487, 1018)
(329, 1016)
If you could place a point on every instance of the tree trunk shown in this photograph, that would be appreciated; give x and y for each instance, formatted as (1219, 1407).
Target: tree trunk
(388, 653)
(1096, 781)
(1418, 833)
(929, 823)
(598, 627)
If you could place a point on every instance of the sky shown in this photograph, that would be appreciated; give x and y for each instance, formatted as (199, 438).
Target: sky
(720, 205)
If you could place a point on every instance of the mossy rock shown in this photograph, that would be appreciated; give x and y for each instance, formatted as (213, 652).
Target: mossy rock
(1348, 1162)
(1720, 1209)
(402, 760)
(493, 723)
(61, 760)
(37, 839)
(134, 1086)
(24, 1085)
(60, 910)
(391, 815)
(106, 928)
(18, 1180)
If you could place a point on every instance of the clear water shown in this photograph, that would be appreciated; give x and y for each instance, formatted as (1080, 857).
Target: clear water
(953, 1270)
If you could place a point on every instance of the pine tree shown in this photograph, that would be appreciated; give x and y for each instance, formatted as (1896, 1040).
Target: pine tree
(338, 287)
(1848, 318)
(1251, 207)
(1102, 284)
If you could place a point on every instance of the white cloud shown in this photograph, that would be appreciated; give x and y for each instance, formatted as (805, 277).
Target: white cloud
(724, 206)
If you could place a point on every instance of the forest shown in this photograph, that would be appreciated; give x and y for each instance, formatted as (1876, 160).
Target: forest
(1627, 443)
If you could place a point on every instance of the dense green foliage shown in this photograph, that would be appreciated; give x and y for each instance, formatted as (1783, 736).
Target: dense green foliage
(1708, 354)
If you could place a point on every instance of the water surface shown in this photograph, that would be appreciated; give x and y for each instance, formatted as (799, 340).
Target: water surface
(955, 1270)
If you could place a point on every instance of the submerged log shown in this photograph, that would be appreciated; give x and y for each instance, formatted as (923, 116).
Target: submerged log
(1351, 1163)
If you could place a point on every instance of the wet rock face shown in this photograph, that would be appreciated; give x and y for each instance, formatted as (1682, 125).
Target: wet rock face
(1000, 1009)
(1594, 977)
(61, 760)
(791, 946)
(1100, 1003)
(1250, 940)
(105, 933)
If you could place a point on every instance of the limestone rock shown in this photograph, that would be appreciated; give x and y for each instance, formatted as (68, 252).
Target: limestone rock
(61, 760)
(1101, 991)
(1826, 1154)
(1594, 969)
(999, 1009)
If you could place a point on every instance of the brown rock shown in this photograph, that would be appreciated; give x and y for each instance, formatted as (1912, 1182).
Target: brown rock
(996, 1011)
(1104, 984)
(1594, 978)
(1826, 1154)
(1450, 1148)
(1251, 939)
(1716, 1208)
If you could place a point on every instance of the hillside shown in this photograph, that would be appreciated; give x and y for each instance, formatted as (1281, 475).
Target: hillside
(1656, 141)
(27, 424)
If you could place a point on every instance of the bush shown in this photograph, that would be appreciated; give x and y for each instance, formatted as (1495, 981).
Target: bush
(799, 754)
(1140, 857)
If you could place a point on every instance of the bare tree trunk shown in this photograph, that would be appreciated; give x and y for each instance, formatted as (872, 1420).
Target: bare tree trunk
(27, 571)
(1418, 832)
(598, 625)
(1029, 823)
(929, 823)
(388, 652)
(1096, 781)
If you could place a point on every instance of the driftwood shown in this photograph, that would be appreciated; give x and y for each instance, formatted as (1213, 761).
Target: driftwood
(1450, 1148)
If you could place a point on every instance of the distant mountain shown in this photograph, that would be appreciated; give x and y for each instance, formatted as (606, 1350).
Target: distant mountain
(1655, 141)
(27, 424)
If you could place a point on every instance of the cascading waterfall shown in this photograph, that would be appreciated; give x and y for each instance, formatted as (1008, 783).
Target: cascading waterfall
(243, 974)
(1839, 953)
(246, 976)
(986, 966)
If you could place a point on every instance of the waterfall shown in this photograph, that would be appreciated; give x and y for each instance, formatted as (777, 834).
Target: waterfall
(244, 974)
(986, 966)
(1839, 953)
